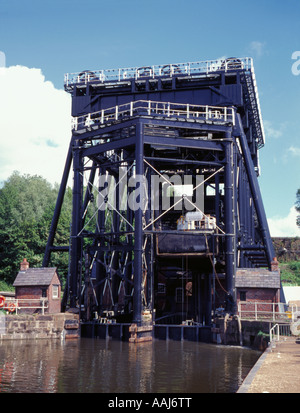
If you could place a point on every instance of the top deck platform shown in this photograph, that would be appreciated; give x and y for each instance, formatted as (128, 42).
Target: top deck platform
(169, 70)
(112, 79)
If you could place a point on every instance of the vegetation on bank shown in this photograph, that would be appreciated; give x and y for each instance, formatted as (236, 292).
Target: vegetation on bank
(26, 209)
(6, 287)
(290, 273)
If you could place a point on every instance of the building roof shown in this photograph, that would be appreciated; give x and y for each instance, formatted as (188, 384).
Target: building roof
(35, 276)
(257, 278)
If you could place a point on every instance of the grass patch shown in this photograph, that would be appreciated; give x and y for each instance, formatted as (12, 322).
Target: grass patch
(290, 273)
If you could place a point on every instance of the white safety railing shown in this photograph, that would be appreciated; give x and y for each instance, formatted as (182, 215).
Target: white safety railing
(274, 333)
(256, 310)
(255, 106)
(18, 304)
(279, 332)
(152, 108)
(167, 70)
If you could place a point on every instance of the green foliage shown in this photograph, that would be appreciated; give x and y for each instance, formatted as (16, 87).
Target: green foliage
(26, 209)
(290, 273)
(6, 287)
(263, 335)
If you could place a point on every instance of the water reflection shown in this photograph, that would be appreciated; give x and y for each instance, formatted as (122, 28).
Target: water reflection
(107, 366)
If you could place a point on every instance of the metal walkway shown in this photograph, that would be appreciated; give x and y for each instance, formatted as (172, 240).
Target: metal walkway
(172, 111)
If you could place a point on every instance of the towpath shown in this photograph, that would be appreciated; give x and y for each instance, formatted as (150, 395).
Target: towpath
(276, 371)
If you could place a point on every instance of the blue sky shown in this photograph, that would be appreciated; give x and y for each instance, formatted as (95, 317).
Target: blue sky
(63, 36)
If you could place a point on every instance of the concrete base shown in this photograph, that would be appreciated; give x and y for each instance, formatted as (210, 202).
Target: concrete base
(227, 330)
(134, 334)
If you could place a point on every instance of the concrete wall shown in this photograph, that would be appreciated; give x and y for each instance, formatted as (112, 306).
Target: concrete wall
(255, 333)
(290, 293)
(54, 326)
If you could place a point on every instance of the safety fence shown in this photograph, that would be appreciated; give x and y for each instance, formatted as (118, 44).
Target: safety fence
(278, 332)
(156, 71)
(266, 311)
(24, 305)
(153, 108)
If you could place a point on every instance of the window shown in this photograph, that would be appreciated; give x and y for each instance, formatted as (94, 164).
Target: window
(44, 292)
(54, 291)
(161, 288)
(243, 295)
(179, 295)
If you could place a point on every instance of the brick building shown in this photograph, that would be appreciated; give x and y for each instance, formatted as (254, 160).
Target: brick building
(32, 285)
(259, 285)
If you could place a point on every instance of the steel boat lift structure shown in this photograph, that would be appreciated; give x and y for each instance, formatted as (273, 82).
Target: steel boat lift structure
(166, 201)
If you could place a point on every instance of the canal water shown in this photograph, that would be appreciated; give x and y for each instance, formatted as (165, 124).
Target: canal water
(107, 366)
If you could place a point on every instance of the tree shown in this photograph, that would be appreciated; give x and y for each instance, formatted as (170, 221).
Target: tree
(298, 206)
(26, 208)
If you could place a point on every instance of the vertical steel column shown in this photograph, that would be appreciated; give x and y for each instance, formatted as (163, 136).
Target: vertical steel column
(149, 253)
(256, 194)
(208, 298)
(217, 198)
(138, 229)
(241, 208)
(244, 207)
(229, 219)
(130, 242)
(76, 240)
(115, 279)
(100, 263)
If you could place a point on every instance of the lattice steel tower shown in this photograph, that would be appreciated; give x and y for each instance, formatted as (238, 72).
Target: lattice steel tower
(166, 201)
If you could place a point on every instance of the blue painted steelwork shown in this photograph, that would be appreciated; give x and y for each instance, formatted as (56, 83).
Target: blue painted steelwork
(195, 120)
(255, 193)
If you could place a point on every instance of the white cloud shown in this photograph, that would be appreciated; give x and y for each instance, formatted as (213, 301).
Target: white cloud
(257, 48)
(284, 226)
(294, 150)
(35, 126)
(273, 132)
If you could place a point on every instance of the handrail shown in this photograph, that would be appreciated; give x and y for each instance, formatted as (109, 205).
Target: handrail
(272, 331)
(253, 97)
(167, 70)
(257, 310)
(153, 108)
(20, 303)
